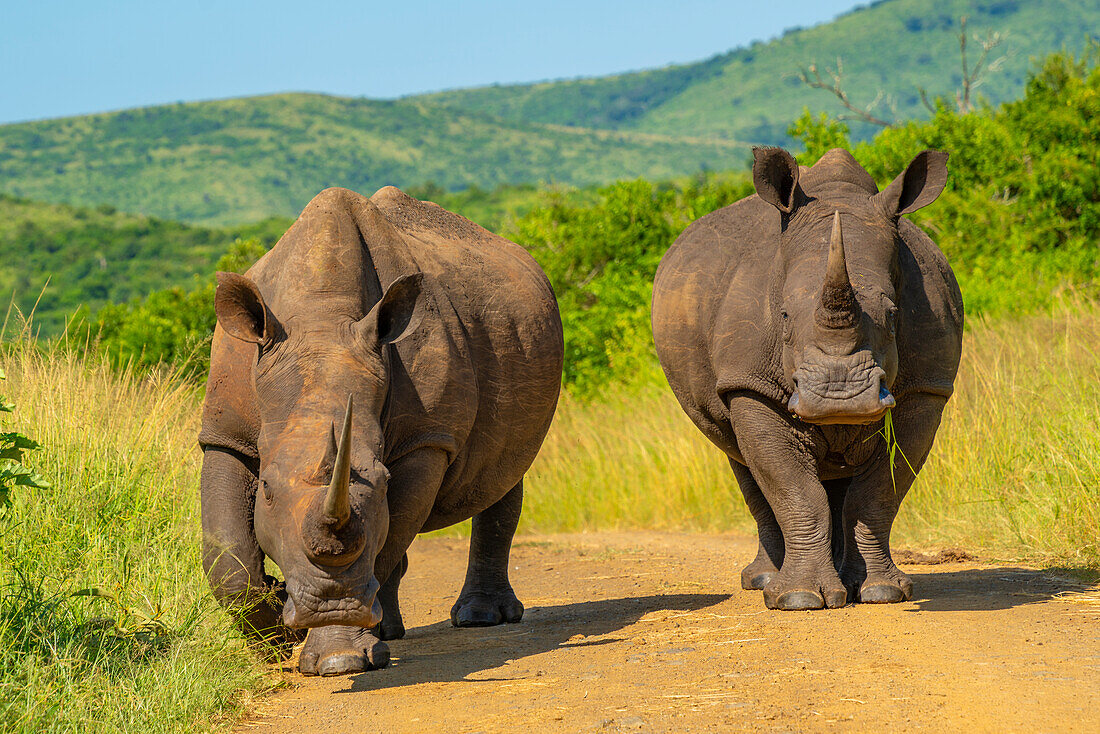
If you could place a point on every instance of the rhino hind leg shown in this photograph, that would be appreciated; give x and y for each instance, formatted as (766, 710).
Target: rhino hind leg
(873, 500)
(769, 553)
(392, 626)
(487, 597)
(339, 650)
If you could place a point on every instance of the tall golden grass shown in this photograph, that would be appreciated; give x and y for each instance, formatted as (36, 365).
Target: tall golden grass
(148, 650)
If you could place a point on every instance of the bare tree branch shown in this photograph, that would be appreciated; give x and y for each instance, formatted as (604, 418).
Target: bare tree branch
(972, 78)
(811, 77)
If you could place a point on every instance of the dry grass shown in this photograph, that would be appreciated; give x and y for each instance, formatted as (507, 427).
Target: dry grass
(121, 516)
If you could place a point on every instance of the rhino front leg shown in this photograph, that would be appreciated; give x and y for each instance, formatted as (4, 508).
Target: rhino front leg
(783, 465)
(336, 650)
(487, 597)
(231, 557)
(874, 498)
(769, 554)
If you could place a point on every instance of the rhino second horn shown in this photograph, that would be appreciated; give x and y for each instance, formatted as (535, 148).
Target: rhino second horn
(337, 500)
(838, 307)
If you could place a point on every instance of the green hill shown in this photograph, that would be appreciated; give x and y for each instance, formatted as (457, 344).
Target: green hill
(893, 46)
(223, 162)
(91, 257)
(243, 159)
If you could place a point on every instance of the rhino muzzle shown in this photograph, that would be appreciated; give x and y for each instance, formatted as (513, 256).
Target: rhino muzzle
(323, 602)
(840, 390)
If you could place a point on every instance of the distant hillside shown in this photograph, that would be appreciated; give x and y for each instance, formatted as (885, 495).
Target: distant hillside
(95, 256)
(243, 159)
(893, 46)
(222, 162)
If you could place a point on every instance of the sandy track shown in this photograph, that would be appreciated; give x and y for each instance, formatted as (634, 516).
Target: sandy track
(651, 632)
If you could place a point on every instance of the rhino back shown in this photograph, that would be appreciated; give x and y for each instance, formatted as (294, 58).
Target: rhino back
(709, 313)
(510, 332)
(479, 377)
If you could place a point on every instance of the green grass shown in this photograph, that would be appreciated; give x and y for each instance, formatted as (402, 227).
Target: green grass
(151, 652)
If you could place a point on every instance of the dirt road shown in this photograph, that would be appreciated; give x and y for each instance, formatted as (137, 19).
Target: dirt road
(648, 632)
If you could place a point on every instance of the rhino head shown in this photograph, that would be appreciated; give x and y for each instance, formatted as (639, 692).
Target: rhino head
(320, 382)
(835, 296)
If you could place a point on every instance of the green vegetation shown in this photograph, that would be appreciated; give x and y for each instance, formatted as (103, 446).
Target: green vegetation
(171, 327)
(237, 160)
(601, 257)
(13, 471)
(92, 257)
(106, 624)
(229, 161)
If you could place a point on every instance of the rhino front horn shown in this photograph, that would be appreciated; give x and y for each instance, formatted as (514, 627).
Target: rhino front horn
(838, 307)
(337, 501)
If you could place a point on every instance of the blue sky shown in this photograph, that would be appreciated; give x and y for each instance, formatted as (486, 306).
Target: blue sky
(66, 57)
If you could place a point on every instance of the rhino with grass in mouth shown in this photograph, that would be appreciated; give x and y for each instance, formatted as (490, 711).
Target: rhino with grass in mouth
(791, 326)
(388, 368)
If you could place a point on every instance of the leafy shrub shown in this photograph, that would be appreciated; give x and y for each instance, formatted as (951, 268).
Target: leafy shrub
(169, 327)
(13, 472)
(601, 257)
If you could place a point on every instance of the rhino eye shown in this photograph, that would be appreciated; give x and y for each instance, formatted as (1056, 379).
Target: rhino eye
(266, 489)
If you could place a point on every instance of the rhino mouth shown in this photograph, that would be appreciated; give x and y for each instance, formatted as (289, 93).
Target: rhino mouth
(319, 603)
(846, 390)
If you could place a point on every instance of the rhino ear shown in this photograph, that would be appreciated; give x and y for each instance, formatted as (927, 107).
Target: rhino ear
(918, 185)
(397, 313)
(241, 310)
(775, 176)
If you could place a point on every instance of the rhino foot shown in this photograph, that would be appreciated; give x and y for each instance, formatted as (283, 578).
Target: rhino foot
(758, 574)
(885, 588)
(485, 608)
(392, 627)
(883, 583)
(339, 650)
(792, 591)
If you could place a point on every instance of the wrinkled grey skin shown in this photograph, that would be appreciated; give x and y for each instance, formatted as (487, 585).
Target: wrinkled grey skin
(787, 324)
(388, 368)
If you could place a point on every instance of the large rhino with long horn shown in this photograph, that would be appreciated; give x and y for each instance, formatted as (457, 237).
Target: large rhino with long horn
(387, 368)
(788, 324)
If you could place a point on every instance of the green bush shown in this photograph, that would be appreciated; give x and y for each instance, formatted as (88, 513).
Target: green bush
(170, 327)
(13, 472)
(601, 257)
